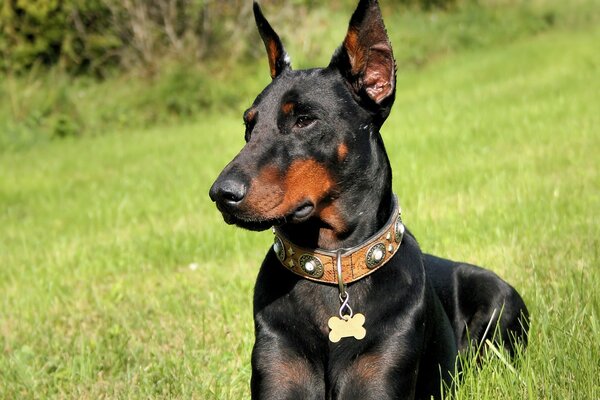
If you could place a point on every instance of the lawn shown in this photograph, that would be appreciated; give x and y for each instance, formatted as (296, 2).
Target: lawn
(120, 280)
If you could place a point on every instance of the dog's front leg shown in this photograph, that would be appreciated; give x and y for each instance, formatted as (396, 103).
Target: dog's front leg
(379, 376)
(280, 371)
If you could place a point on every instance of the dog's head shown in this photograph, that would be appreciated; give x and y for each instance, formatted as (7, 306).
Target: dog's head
(313, 135)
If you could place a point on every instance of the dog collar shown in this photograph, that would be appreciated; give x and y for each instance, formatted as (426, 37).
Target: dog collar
(356, 262)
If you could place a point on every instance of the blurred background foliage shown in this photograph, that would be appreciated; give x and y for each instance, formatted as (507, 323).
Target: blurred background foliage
(74, 67)
(91, 36)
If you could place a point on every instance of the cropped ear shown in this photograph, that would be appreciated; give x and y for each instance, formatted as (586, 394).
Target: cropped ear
(278, 58)
(365, 57)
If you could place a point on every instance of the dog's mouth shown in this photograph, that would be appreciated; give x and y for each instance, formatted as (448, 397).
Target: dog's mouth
(301, 213)
(248, 223)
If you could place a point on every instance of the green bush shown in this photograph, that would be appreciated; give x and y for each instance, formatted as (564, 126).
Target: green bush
(76, 34)
(90, 36)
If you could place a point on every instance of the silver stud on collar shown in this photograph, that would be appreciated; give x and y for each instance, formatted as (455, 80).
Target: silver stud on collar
(375, 255)
(279, 249)
(398, 230)
(311, 265)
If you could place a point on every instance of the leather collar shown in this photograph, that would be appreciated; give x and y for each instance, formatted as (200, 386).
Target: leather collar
(357, 262)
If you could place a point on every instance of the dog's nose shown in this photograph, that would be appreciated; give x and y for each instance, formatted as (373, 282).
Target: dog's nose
(229, 192)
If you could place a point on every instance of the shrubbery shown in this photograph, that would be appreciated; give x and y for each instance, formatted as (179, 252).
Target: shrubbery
(74, 33)
(91, 36)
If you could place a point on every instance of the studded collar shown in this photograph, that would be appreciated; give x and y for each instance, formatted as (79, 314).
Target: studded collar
(357, 262)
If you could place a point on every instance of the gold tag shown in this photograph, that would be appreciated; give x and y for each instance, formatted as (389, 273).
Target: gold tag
(347, 327)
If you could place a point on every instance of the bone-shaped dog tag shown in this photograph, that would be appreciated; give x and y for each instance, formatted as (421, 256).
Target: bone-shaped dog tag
(347, 327)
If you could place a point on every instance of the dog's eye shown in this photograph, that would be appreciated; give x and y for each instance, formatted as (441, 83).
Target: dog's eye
(303, 121)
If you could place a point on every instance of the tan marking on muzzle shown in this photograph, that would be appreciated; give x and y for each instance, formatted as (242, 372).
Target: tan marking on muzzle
(272, 195)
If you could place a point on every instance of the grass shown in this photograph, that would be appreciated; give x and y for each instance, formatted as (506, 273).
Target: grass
(120, 280)
(503, 147)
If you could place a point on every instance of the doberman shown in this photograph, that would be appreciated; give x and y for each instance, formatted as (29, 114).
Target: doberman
(314, 167)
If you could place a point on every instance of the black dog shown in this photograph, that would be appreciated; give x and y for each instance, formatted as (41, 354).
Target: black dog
(314, 166)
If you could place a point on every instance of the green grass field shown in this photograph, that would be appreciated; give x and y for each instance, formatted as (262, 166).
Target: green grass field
(120, 280)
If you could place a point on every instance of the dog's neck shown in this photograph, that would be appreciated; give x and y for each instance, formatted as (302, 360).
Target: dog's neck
(344, 265)
(365, 216)
(354, 215)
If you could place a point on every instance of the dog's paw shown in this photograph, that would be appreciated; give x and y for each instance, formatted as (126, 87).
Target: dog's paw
(347, 327)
